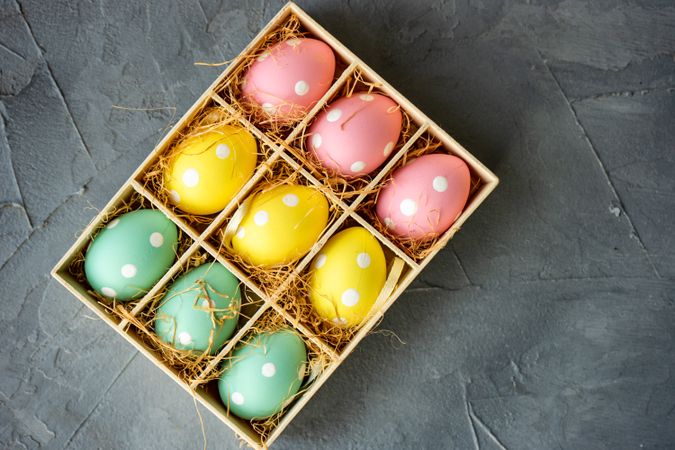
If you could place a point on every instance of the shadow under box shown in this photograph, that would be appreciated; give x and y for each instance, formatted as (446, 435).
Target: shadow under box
(187, 365)
(73, 271)
(272, 218)
(259, 430)
(301, 142)
(230, 89)
(193, 175)
(296, 302)
(416, 250)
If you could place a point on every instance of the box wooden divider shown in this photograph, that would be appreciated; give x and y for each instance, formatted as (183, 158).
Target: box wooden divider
(402, 266)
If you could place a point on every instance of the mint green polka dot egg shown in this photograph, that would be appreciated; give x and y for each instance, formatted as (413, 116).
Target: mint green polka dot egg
(127, 257)
(200, 310)
(263, 374)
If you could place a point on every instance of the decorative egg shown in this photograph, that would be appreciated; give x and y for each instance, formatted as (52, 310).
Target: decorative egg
(128, 256)
(347, 276)
(200, 310)
(263, 374)
(280, 225)
(207, 170)
(355, 134)
(424, 197)
(290, 77)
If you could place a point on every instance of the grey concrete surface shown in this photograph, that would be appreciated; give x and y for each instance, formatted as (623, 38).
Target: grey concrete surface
(547, 323)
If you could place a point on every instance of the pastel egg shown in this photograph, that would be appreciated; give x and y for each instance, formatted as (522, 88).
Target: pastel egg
(127, 257)
(263, 374)
(424, 197)
(290, 77)
(281, 225)
(207, 170)
(347, 277)
(355, 134)
(200, 310)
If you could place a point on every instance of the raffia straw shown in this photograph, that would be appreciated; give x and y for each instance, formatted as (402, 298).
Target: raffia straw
(76, 267)
(387, 334)
(188, 364)
(344, 188)
(230, 87)
(153, 179)
(417, 249)
(269, 278)
(201, 419)
(137, 109)
(317, 362)
(295, 301)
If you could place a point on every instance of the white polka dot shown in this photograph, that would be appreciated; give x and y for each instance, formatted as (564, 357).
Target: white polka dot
(206, 303)
(320, 261)
(358, 166)
(174, 196)
(184, 338)
(290, 200)
(408, 207)
(191, 178)
(334, 115)
(269, 108)
(339, 321)
(223, 151)
(294, 42)
(388, 222)
(108, 292)
(237, 398)
(113, 223)
(156, 239)
(263, 56)
(261, 218)
(241, 233)
(350, 297)
(268, 370)
(316, 140)
(366, 97)
(128, 271)
(363, 260)
(440, 184)
(388, 148)
(301, 87)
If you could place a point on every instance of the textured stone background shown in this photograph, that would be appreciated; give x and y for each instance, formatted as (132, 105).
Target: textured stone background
(549, 321)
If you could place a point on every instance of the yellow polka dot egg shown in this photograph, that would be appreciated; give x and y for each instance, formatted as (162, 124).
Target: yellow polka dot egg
(347, 276)
(208, 169)
(279, 225)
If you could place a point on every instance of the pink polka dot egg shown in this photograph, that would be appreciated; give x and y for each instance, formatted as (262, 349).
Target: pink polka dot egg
(424, 197)
(290, 77)
(355, 134)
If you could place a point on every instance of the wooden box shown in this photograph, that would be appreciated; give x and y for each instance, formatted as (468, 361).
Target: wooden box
(277, 149)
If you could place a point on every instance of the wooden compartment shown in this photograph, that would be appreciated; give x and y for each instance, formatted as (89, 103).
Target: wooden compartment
(351, 83)
(187, 365)
(275, 172)
(430, 141)
(293, 297)
(71, 267)
(150, 180)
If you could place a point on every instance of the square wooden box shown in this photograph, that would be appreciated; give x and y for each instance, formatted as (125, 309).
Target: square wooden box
(403, 267)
